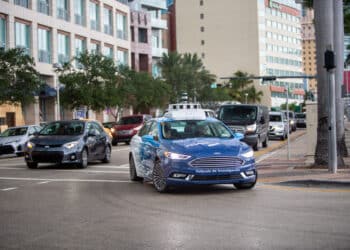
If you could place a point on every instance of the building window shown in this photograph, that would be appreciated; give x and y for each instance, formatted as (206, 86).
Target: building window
(202, 29)
(201, 16)
(63, 48)
(80, 47)
(108, 51)
(202, 42)
(44, 45)
(132, 32)
(121, 26)
(107, 21)
(156, 39)
(2, 32)
(95, 47)
(143, 35)
(201, 2)
(94, 16)
(63, 9)
(79, 12)
(44, 7)
(203, 55)
(23, 3)
(122, 57)
(22, 36)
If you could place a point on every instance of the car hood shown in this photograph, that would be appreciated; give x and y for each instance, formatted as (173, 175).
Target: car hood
(9, 139)
(275, 123)
(54, 139)
(204, 147)
(126, 127)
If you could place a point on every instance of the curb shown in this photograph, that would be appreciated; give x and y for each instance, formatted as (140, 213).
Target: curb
(315, 182)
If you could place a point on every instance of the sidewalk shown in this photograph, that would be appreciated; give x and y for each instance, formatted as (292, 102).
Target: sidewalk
(275, 166)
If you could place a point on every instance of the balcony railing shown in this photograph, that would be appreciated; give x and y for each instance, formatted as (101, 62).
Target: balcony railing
(44, 7)
(121, 34)
(107, 29)
(63, 14)
(44, 56)
(62, 58)
(79, 19)
(23, 3)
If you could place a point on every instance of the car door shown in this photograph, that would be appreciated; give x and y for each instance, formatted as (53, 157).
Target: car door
(150, 144)
(100, 141)
(91, 140)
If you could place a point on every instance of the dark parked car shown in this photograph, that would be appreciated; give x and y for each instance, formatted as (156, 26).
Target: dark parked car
(75, 142)
(127, 127)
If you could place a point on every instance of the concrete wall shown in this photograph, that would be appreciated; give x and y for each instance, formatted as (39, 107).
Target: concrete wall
(311, 130)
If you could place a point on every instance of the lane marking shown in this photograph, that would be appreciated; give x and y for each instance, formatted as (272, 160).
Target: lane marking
(63, 180)
(43, 182)
(8, 189)
(83, 171)
(120, 149)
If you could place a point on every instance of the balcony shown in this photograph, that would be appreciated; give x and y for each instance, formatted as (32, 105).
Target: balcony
(63, 14)
(158, 52)
(44, 56)
(107, 29)
(23, 3)
(43, 7)
(79, 19)
(159, 23)
(62, 58)
(159, 4)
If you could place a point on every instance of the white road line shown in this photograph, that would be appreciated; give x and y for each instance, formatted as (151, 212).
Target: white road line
(120, 149)
(8, 189)
(13, 168)
(62, 180)
(12, 164)
(43, 182)
(125, 166)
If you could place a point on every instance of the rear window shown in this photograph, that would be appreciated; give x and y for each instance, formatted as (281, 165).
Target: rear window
(63, 128)
(130, 120)
(238, 113)
(302, 116)
(14, 132)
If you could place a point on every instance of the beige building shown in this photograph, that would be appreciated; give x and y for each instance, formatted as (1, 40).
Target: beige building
(309, 47)
(55, 31)
(256, 36)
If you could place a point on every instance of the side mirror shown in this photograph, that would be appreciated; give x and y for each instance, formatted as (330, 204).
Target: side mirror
(239, 136)
(34, 134)
(147, 138)
(155, 138)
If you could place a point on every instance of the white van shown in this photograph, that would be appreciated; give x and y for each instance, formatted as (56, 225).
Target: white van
(278, 125)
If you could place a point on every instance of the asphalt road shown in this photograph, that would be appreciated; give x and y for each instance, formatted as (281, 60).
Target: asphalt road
(99, 208)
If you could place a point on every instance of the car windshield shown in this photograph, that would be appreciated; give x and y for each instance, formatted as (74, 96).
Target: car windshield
(275, 118)
(238, 113)
(63, 128)
(108, 124)
(14, 132)
(303, 116)
(174, 130)
(130, 120)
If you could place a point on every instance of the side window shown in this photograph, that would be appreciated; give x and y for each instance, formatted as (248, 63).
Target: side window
(31, 130)
(144, 130)
(98, 128)
(154, 129)
(37, 129)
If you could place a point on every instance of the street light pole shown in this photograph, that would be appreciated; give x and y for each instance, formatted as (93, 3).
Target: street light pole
(58, 110)
(288, 152)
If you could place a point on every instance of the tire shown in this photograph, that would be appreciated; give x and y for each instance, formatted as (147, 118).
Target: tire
(132, 170)
(127, 142)
(159, 181)
(19, 154)
(266, 142)
(108, 152)
(84, 159)
(114, 142)
(256, 146)
(246, 185)
(32, 165)
(283, 137)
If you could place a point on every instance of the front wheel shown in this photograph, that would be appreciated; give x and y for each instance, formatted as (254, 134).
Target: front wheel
(84, 159)
(266, 142)
(159, 181)
(132, 170)
(249, 185)
(107, 157)
(32, 165)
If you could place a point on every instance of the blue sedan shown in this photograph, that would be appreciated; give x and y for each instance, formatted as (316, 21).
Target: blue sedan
(172, 152)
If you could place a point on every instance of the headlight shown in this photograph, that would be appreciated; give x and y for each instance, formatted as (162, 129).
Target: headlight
(135, 130)
(248, 154)
(251, 128)
(71, 145)
(175, 156)
(30, 145)
(292, 122)
(112, 130)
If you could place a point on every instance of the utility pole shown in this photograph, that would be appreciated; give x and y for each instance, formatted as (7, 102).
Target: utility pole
(288, 126)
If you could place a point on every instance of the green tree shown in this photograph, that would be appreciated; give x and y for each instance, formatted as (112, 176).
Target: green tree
(19, 81)
(94, 86)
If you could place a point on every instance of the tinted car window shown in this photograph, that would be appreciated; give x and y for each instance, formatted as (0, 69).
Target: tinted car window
(144, 130)
(130, 120)
(14, 132)
(301, 116)
(238, 113)
(191, 129)
(63, 128)
(154, 129)
(275, 118)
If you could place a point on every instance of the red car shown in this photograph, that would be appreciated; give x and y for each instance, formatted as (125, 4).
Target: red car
(127, 127)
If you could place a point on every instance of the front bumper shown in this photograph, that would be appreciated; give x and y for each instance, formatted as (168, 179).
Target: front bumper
(54, 155)
(251, 139)
(11, 148)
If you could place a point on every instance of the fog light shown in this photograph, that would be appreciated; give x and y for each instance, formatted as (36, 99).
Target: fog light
(250, 172)
(179, 175)
(72, 157)
(27, 156)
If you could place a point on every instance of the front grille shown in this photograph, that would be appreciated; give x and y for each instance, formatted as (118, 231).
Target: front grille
(216, 177)
(45, 146)
(217, 162)
(237, 129)
(272, 128)
(49, 156)
(6, 149)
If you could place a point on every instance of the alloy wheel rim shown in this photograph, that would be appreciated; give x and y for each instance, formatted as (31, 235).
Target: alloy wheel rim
(84, 158)
(108, 153)
(158, 178)
(132, 167)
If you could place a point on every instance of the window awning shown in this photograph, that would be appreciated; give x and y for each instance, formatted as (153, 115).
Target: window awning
(277, 89)
(299, 92)
(47, 91)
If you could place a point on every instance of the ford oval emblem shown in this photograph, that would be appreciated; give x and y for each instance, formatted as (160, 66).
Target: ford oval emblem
(47, 146)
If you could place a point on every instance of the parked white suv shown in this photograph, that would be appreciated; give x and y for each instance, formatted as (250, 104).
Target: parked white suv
(278, 126)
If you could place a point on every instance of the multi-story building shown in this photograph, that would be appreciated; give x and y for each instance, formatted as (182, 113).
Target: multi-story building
(53, 32)
(261, 37)
(309, 47)
(158, 25)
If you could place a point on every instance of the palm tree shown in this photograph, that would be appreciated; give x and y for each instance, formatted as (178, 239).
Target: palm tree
(254, 96)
